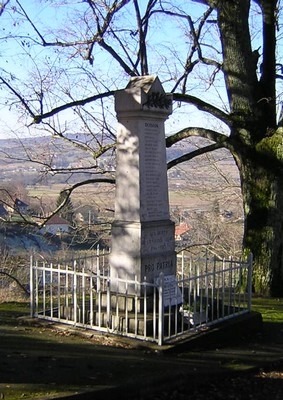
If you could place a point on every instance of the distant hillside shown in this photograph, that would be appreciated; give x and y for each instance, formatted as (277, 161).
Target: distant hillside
(16, 156)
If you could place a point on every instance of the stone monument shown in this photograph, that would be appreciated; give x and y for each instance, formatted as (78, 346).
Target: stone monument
(143, 236)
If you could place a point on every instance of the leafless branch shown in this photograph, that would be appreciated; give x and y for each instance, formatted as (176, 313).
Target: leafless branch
(193, 154)
(16, 280)
(39, 118)
(3, 5)
(66, 193)
(219, 138)
(18, 95)
(204, 106)
(116, 56)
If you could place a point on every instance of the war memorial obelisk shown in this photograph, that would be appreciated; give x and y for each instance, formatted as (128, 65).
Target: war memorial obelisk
(143, 236)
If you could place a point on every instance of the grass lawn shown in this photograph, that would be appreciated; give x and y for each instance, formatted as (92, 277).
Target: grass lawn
(45, 363)
(270, 309)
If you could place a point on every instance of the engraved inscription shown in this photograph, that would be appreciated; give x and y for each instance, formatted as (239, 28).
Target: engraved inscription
(158, 240)
(158, 266)
(154, 172)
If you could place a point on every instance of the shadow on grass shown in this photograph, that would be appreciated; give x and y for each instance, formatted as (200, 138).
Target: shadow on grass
(44, 362)
(39, 360)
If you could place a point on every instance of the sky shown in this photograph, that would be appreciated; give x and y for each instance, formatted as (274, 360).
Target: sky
(22, 60)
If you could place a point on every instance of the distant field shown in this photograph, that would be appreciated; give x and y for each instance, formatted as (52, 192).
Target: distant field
(99, 196)
(103, 196)
(197, 184)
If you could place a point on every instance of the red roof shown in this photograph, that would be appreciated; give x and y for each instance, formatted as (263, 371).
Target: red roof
(57, 220)
(181, 229)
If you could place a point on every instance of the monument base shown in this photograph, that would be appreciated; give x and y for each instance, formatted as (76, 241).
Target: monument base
(140, 252)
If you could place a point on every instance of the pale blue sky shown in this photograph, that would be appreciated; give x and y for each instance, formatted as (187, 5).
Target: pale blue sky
(164, 40)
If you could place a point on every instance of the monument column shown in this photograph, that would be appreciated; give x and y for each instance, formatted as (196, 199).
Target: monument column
(143, 236)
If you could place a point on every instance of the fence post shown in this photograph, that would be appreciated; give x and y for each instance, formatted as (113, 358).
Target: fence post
(75, 291)
(250, 280)
(161, 310)
(31, 287)
(97, 259)
(108, 304)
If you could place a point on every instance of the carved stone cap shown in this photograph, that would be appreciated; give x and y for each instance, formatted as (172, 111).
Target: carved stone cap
(146, 83)
(143, 93)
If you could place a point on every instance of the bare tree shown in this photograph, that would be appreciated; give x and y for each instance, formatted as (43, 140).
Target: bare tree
(204, 53)
(14, 272)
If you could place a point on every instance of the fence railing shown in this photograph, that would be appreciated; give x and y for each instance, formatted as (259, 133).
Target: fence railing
(83, 294)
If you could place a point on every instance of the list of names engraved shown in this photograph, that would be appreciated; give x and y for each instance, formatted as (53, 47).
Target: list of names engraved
(155, 177)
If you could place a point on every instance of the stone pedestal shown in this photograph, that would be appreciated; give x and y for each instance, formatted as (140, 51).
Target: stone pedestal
(143, 236)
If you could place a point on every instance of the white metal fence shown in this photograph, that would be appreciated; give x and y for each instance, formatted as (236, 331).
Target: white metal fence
(204, 292)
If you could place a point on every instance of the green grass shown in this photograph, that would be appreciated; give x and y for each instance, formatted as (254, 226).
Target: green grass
(16, 307)
(39, 391)
(55, 349)
(9, 312)
(271, 309)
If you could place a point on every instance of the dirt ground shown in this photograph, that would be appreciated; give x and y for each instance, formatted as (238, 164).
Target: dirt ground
(40, 360)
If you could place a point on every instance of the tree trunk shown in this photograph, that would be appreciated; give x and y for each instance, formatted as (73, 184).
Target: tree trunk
(255, 143)
(263, 204)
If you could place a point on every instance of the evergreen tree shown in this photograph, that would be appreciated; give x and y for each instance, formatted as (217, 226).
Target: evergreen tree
(67, 210)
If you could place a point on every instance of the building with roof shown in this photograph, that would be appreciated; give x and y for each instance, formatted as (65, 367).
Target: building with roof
(20, 207)
(56, 225)
(182, 231)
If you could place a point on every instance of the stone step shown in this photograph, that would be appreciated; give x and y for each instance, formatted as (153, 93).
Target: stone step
(134, 323)
(124, 302)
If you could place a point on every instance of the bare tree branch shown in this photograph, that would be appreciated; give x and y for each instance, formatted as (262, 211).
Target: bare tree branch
(39, 118)
(3, 5)
(66, 193)
(142, 45)
(204, 106)
(193, 154)
(31, 23)
(18, 95)
(116, 56)
(26, 291)
(217, 137)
